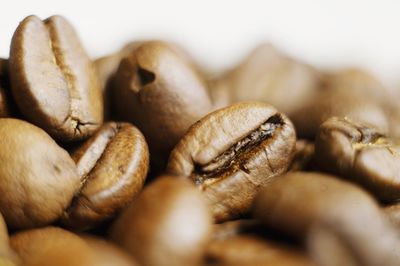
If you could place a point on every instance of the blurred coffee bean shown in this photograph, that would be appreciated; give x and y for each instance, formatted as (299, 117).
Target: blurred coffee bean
(37, 177)
(168, 224)
(7, 255)
(267, 75)
(362, 154)
(349, 93)
(160, 91)
(53, 80)
(304, 156)
(296, 201)
(232, 152)
(106, 253)
(112, 165)
(393, 214)
(51, 246)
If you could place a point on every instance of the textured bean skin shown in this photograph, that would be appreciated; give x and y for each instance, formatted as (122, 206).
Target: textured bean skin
(53, 80)
(232, 152)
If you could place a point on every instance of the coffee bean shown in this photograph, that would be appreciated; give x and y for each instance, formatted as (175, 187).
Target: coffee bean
(267, 75)
(231, 153)
(160, 91)
(343, 94)
(53, 80)
(113, 165)
(362, 154)
(37, 177)
(296, 201)
(169, 224)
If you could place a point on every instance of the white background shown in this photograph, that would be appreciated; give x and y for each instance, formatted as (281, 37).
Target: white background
(219, 33)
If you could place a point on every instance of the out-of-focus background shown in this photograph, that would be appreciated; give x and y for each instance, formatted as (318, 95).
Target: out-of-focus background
(218, 34)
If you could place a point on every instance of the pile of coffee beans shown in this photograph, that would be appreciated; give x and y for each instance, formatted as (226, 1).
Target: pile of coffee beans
(143, 157)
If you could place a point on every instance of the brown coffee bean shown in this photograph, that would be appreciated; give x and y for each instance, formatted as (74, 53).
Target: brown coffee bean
(53, 80)
(160, 91)
(106, 253)
(343, 94)
(296, 201)
(37, 177)
(267, 75)
(231, 153)
(113, 165)
(7, 255)
(169, 224)
(362, 154)
(51, 246)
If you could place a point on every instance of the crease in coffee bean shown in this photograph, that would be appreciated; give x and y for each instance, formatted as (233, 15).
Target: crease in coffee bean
(69, 78)
(230, 159)
(79, 195)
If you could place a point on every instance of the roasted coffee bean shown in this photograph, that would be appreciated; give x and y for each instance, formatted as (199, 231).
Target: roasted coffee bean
(169, 224)
(296, 201)
(51, 246)
(343, 94)
(393, 214)
(267, 75)
(53, 80)
(37, 177)
(159, 90)
(7, 255)
(107, 254)
(362, 154)
(231, 153)
(304, 156)
(113, 165)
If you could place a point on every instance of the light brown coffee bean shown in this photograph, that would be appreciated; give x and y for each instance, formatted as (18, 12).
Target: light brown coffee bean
(37, 177)
(349, 93)
(160, 91)
(113, 165)
(53, 80)
(267, 75)
(168, 224)
(296, 201)
(106, 253)
(51, 246)
(231, 153)
(362, 154)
